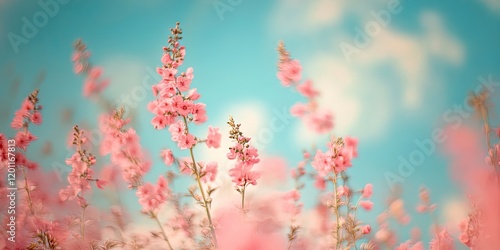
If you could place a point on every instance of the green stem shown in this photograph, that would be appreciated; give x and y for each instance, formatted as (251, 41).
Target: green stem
(202, 190)
(336, 210)
(26, 186)
(162, 230)
(82, 223)
(243, 197)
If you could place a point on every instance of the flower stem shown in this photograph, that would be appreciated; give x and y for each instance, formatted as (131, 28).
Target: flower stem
(82, 223)
(336, 210)
(494, 155)
(243, 197)
(162, 230)
(202, 190)
(26, 187)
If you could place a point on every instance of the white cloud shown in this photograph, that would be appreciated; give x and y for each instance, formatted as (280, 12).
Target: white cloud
(439, 41)
(361, 107)
(409, 54)
(454, 211)
(290, 16)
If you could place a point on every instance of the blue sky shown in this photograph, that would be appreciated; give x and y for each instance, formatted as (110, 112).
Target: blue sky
(396, 90)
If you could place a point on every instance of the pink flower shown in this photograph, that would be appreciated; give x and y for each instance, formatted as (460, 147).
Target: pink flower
(24, 139)
(320, 122)
(184, 107)
(78, 68)
(101, 183)
(193, 95)
(442, 241)
(18, 120)
(213, 138)
(352, 143)
(177, 129)
(343, 191)
(151, 197)
(186, 141)
(424, 195)
(243, 175)
(293, 195)
(36, 118)
(421, 208)
(209, 172)
(199, 113)
(95, 72)
(168, 74)
(290, 71)
(320, 183)
(159, 122)
(366, 205)
(307, 90)
(298, 109)
(167, 156)
(367, 191)
(366, 229)
(166, 59)
(183, 83)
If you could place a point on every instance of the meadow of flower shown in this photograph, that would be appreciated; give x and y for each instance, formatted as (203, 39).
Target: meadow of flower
(250, 213)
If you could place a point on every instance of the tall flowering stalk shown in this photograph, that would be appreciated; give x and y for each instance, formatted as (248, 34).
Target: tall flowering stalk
(290, 74)
(330, 165)
(81, 175)
(94, 83)
(246, 157)
(29, 113)
(480, 103)
(480, 227)
(294, 195)
(175, 107)
(123, 144)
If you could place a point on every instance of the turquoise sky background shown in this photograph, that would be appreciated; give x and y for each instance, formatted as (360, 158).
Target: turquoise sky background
(396, 90)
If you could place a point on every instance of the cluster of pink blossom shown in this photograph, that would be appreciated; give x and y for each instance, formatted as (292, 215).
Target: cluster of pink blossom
(175, 99)
(28, 113)
(246, 157)
(175, 107)
(123, 145)
(425, 204)
(37, 225)
(151, 197)
(414, 244)
(81, 174)
(94, 84)
(290, 74)
(337, 158)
